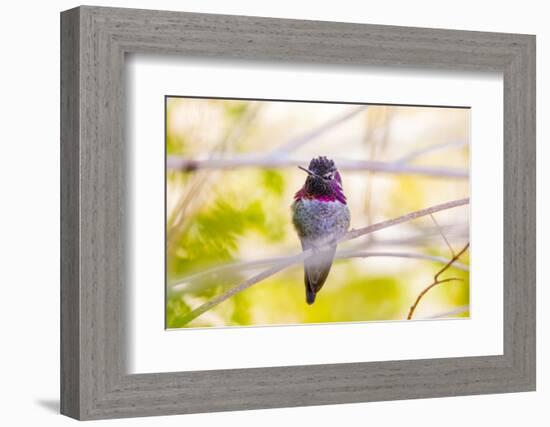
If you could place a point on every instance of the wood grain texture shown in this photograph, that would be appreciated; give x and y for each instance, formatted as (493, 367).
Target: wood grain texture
(70, 291)
(94, 382)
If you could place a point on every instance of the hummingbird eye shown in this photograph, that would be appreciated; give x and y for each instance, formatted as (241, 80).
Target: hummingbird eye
(328, 175)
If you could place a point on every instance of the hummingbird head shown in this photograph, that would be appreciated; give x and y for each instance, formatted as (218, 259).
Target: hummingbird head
(323, 181)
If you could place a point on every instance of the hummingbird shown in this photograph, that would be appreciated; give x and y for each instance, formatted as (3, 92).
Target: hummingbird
(320, 216)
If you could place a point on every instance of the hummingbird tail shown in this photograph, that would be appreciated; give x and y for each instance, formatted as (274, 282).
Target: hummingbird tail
(310, 294)
(316, 269)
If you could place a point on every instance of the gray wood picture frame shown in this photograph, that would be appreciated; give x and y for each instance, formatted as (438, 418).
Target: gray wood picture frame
(94, 381)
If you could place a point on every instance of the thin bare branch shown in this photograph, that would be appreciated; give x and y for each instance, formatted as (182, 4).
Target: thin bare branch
(296, 143)
(443, 235)
(279, 266)
(416, 239)
(453, 312)
(259, 160)
(410, 255)
(437, 280)
(430, 149)
(405, 218)
(186, 284)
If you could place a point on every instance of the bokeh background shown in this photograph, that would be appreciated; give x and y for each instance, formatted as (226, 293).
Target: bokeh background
(231, 176)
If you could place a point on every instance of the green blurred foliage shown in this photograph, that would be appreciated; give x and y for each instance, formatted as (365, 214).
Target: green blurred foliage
(212, 237)
(244, 214)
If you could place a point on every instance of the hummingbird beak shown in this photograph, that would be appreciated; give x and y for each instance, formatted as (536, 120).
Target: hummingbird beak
(307, 171)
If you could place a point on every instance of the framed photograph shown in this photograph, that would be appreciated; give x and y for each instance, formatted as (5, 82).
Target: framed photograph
(262, 213)
(224, 211)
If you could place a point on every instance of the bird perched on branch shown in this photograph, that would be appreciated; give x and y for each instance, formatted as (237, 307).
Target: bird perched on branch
(320, 215)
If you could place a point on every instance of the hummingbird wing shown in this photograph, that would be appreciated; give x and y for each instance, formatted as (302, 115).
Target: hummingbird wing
(316, 269)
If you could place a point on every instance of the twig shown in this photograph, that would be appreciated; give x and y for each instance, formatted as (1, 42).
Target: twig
(185, 284)
(430, 149)
(405, 218)
(302, 256)
(374, 143)
(443, 235)
(415, 240)
(438, 281)
(440, 260)
(259, 160)
(453, 312)
(296, 143)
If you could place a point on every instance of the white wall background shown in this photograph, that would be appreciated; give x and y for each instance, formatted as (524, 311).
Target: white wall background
(29, 214)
